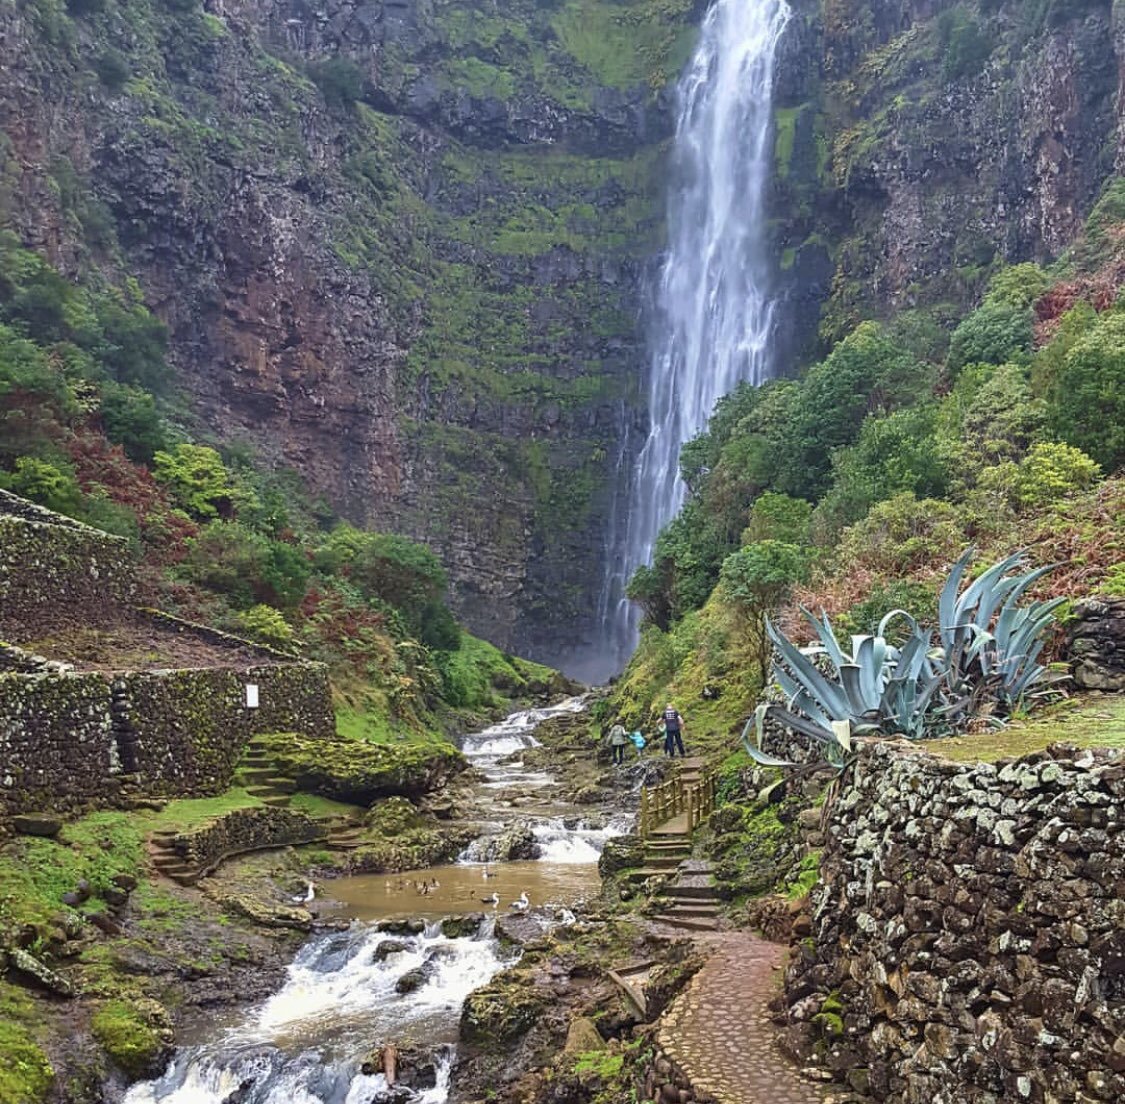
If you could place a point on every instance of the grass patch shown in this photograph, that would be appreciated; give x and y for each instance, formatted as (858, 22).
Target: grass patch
(599, 1063)
(1085, 722)
(25, 1073)
(316, 806)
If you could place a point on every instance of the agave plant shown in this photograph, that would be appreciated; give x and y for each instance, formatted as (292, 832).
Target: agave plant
(984, 662)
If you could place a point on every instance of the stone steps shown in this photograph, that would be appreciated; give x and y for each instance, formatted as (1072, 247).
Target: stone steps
(688, 923)
(692, 892)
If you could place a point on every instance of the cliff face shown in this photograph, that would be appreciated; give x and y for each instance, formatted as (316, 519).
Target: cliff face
(919, 141)
(397, 246)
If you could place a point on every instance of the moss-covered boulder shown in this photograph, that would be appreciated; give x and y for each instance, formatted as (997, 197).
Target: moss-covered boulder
(503, 1010)
(135, 1035)
(360, 773)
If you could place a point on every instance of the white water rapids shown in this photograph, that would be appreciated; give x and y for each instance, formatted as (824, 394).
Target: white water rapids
(307, 1042)
(713, 316)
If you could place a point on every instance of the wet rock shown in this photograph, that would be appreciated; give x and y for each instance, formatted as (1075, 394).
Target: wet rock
(37, 824)
(402, 927)
(456, 927)
(30, 968)
(268, 915)
(386, 948)
(621, 853)
(518, 928)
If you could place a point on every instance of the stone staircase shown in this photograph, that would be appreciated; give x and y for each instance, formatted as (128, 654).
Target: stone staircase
(258, 773)
(692, 901)
(170, 862)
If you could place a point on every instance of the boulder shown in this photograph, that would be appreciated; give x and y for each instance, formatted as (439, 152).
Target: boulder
(582, 1036)
(458, 927)
(37, 824)
(25, 963)
(386, 948)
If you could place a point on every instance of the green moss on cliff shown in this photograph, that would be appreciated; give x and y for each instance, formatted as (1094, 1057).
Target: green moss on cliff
(130, 1042)
(26, 1075)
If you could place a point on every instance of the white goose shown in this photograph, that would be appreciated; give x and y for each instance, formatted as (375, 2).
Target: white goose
(493, 900)
(521, 904)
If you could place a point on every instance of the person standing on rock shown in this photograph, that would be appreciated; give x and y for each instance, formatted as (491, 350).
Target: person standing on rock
(618, 739)
(673, 731)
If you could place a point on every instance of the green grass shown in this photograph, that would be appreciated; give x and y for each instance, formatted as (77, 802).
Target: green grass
(25, 1072)
(316, 806)
(1085, 722)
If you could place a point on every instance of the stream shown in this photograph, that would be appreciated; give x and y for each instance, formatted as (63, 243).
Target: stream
(344, 995)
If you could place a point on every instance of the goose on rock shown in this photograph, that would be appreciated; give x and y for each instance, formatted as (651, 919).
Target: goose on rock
(521, 904)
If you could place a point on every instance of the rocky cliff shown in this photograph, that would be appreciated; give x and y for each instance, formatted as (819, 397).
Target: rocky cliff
(919, 142)
(399, 246)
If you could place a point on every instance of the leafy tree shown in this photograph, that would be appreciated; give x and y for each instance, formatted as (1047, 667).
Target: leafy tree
(197, 480)
(246, 567)
(1002, 419)
(50, 484)
(995, 334)
(438, 628)
(778, 517)
(758, 578)
(1087, 396)
(650, 588)
(1019, 286)
(130, 419)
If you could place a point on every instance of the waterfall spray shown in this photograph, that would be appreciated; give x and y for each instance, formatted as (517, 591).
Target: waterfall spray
(714, 315)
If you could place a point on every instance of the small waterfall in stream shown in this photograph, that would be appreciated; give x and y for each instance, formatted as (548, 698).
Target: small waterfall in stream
(713, 310)
(341, 999)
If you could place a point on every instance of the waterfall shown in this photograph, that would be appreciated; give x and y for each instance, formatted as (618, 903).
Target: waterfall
(713, 314)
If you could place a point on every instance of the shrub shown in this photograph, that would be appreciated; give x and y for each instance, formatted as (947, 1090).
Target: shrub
(112, 69)
(340, 81)
(1087, 396)
(1001, 420)
(994, 334)
(902, 532)
(264, 623)
(1048, 473)
(965, 44)
(1018, 286)
(778, 517)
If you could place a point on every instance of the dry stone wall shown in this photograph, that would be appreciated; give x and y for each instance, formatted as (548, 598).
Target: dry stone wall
(243, 830)
(968, 940)
(51, 566)
(1097, 645)
(73, 740)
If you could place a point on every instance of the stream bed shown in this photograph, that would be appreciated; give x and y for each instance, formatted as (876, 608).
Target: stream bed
(348, 993)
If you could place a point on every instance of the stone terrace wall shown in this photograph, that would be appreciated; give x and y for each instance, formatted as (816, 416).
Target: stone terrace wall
(52, 566)
(243, 830)
(73, 740)
(969, 931)
(184, 731)
(56, 742)
(1096, 644)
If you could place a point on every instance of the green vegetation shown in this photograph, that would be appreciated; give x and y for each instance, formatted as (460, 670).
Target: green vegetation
(26, 1075)
(854, 487)
(131, 1043)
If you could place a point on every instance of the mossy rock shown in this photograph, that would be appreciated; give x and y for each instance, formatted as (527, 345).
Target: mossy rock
(134, 1034)
(26, 1075)
(503, 1010)
(361, 773)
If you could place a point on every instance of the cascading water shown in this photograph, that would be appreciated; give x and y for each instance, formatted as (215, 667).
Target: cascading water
(713, 313)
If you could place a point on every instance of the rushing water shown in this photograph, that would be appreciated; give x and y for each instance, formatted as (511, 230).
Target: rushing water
(713, 315)
(306, 1044)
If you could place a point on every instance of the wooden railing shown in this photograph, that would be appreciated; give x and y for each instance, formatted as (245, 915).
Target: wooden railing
(661, 803)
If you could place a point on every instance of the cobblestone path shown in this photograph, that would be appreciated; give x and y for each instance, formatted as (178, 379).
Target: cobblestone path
(719, 1033)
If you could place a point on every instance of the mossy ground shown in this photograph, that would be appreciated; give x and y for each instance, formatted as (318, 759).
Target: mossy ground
(126, 1037)
(25, 1071)
(1086, 721)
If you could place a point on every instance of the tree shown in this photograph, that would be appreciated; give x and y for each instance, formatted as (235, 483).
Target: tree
(758, 578)
(995, 334)
(1087, 396)
(197, 480)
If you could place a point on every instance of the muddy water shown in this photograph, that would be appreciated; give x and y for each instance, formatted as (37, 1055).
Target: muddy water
(306, 1044)
(463, 888)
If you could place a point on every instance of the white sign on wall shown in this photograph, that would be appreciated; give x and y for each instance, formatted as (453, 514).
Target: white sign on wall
(251, 695)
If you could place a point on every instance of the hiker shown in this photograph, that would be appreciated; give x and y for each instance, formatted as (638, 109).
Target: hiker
(617, 740)
(638, 742)
(673, 732)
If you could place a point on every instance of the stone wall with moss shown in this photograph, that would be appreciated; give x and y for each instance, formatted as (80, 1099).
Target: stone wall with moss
(243, 830)
(968, 930)
(183, 731)
(52, 567)
(56, 742)
(74, 740)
